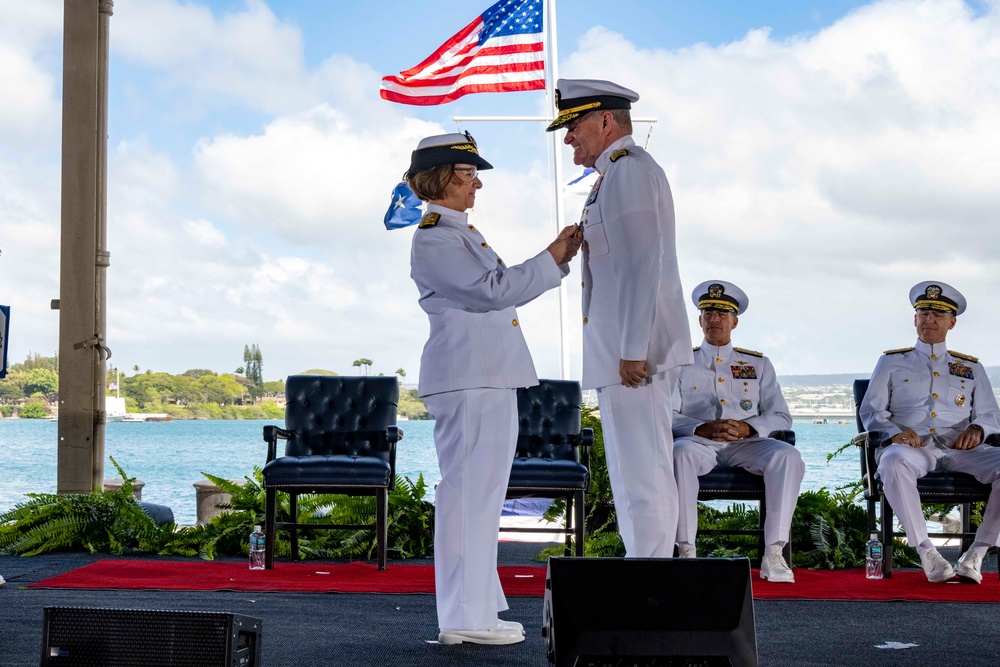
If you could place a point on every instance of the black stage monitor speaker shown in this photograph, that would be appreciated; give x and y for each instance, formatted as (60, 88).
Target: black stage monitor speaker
(82, 637)
(646, 612)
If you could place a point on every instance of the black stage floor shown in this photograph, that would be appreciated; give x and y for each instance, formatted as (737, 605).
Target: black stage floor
(303, 630)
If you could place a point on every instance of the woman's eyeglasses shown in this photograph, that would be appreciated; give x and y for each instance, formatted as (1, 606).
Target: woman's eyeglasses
(471, 172)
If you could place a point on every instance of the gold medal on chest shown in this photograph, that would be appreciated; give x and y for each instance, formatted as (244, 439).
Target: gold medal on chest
(960, 400)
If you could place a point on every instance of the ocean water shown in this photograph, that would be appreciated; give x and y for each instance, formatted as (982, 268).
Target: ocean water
(171, 456)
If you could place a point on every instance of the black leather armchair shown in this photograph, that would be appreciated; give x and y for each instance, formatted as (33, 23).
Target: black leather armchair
(553, 454)
(954, 488)
(735, 483)
(340, 438)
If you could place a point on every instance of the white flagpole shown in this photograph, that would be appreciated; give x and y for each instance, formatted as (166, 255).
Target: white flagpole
(552, 63)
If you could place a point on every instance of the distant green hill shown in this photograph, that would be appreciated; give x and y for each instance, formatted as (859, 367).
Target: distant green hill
(836, 379)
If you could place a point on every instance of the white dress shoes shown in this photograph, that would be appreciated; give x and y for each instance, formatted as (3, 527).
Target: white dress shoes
(774, 568)
(510, 625)
(686, 551)
(937, 569)
(969, 568)
(497, 635)
(2, 582)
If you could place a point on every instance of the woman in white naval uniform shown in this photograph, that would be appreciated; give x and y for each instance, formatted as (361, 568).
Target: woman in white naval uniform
(471, 367)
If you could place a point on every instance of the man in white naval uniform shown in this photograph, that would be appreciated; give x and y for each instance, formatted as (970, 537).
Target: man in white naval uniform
(725, 407)
(472, 364)
(935, 408)
(635, 330)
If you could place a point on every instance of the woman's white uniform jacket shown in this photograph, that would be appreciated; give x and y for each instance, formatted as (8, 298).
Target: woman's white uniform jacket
(633, 305)
(469, 295)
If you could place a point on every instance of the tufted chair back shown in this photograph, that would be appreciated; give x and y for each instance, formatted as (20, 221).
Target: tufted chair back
(549, 420)
(860, 389)
(334, 415)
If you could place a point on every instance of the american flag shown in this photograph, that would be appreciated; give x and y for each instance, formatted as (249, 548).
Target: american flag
(500, 51)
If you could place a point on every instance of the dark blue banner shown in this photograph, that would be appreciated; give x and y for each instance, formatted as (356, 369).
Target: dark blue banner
(4, 330)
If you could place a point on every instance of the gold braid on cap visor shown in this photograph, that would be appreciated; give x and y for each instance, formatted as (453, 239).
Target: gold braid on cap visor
(704, 304)
(926, 304)
(570, 114)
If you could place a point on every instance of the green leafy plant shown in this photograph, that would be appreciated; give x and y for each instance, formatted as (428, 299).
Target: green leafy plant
(410, 521)
(829, 530)
(99, 521)
(106, 521)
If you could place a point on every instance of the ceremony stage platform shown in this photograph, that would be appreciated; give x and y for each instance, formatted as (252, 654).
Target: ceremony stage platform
(362, 629)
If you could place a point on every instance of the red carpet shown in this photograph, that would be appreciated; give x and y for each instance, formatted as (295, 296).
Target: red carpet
(309, 577)
(852, 585)
(301, 577)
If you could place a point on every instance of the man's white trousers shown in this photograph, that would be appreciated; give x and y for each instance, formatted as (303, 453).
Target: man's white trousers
(900, 466)
(778, 462)
(638, 446)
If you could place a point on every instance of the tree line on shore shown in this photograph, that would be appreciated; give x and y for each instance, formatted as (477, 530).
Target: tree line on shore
(31, 389)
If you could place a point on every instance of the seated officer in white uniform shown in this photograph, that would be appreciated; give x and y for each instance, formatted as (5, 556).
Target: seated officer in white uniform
(725, 406)
(935, 407)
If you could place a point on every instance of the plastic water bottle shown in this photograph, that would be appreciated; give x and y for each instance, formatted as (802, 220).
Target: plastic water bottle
(257, 549)
(873, 558)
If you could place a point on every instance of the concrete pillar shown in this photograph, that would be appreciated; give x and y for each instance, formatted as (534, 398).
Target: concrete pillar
(209, 497)
(116, 483)
(83, 257)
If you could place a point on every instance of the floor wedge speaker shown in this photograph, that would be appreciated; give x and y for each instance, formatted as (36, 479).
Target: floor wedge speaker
(85, 637)
(646, 612)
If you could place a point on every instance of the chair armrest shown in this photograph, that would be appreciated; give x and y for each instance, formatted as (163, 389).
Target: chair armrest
(585, 441)
(869, 441)
(394, 434)
(784, 436)
(271, 435)
(993, 440)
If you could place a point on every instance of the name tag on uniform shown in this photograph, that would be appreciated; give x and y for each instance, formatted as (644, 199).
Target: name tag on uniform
(744, 372)
(960, 369)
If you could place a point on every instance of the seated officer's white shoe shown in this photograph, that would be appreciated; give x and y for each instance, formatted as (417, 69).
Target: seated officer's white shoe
(937, 569)
(510, 625)
(686, 551)
(774, 568)
(969, 568)
(2, 582)
(497, 635)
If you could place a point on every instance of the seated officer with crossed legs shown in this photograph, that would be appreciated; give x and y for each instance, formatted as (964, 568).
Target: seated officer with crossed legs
(725, 405)
(935, 408)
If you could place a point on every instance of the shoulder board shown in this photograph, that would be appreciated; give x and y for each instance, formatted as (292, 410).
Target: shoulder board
(429, 220)
(967, 357)
(619, 153)
(899, 350)
(752, 353)
(696, 349)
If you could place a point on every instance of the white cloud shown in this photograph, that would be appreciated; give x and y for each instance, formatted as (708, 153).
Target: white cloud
(826, 174)
(29, 106)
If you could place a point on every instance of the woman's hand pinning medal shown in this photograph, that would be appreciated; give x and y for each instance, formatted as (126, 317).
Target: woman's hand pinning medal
(566, 245)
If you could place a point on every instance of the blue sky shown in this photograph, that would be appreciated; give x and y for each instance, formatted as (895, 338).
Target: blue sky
(824, 156)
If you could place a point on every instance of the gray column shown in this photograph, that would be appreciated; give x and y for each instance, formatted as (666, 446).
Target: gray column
(83, 257)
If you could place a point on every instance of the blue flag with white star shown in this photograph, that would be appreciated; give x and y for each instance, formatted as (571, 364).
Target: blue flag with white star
(4, 330)
(406, 208)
